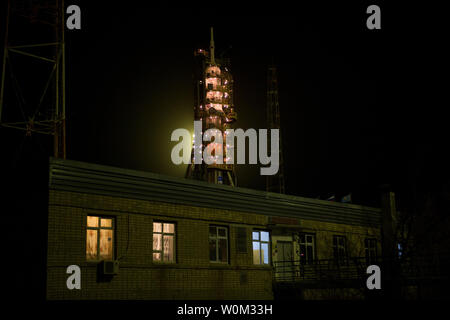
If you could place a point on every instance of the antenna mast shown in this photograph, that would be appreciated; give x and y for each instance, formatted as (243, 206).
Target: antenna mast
(276, 182)
(35, 102)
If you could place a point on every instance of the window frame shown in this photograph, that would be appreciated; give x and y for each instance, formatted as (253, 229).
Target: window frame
(300, 243)
(340, 259)
(113, 228)
(217, 238)
(162, 233)
(269, 254)
(367, 249)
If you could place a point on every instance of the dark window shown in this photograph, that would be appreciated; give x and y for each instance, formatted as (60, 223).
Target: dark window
(371, 250)
(340, 249)
(241, 240)
(307, 246)
(218, 244)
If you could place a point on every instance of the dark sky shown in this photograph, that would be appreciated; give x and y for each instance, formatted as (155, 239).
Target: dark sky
(359, 107)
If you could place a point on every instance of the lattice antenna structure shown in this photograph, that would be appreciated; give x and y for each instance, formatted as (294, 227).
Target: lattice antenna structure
(32, 93)
(274, 183)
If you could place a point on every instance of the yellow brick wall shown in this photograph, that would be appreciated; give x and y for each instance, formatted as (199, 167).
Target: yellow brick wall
(192, 277)
(355, 235)
(324, 232)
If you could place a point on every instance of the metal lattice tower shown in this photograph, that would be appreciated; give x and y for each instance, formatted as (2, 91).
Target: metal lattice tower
(32, 94)
(274, 183)
(213, 106)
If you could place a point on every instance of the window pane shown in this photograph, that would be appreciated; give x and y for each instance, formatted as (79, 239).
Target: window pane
(169, 248)
(156, 256)
(223, 250)
(255, 235)
(212, 232)
(157, 227)
(107, 223)
(169, 228)
(92, 221)
(91, 244)
(222, 232)
(309, 253)
(256, 253)
(212, 250)
(334, 241)
(302, 238)
(264, 236)
(157, 245)
(302, 250)
(265, 252)
(309, 239)
(106, 244)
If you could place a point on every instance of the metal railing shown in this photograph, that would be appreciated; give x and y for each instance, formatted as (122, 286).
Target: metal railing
(355, 268)
(323, 269)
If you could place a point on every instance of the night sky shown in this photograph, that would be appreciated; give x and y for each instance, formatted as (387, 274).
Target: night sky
(359, 107)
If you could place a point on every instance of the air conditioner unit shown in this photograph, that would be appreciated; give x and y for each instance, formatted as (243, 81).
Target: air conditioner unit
(110, 267)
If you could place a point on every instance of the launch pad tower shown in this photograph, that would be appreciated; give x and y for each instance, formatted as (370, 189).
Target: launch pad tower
(213, 106)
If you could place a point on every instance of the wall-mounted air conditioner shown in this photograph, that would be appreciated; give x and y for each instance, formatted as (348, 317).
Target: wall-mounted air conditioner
(110, 267)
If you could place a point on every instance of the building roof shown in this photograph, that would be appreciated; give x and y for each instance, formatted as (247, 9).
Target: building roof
(92, 178)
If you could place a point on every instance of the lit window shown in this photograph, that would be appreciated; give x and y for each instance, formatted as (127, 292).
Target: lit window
(212, 83)
(214, 70)
(218, 244)
(340, 249)
(163, 242)
(400, 250)
(306, 242)
(261, 241)
(99, 238)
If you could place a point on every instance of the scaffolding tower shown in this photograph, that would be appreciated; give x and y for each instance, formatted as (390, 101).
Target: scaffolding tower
(274, 183)
(32, 94)
(214, 107)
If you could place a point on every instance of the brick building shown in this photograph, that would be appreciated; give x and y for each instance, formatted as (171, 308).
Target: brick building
(185, 239)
